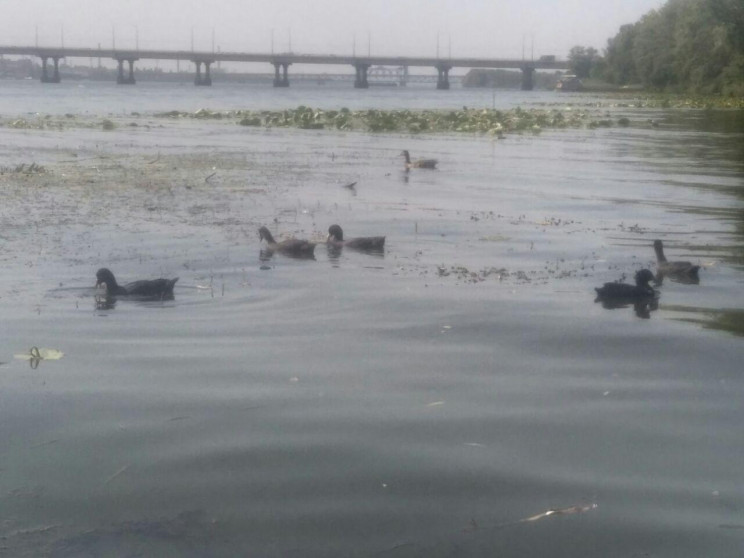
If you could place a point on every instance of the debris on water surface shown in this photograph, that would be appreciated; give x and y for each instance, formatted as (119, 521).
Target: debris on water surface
(571, 510)
(116, 474)
(465, 274)
(37, 354)
(494, 238)
(562, 511)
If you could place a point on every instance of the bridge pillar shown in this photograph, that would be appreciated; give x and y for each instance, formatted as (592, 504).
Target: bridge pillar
(121, 79)
(206, 79)
(360, 82)
(45, 77)
(281, 79)
(56, 77)
(527, 82)
(44, 74)
(207, 74)
(443, 77)
(130, 79)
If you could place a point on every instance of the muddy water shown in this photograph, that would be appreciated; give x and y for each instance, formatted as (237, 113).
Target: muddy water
(427, 402)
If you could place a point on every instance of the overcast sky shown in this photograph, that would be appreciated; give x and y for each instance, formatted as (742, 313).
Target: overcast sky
(478, 28)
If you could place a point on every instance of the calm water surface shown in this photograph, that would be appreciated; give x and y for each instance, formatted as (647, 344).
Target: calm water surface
(427, 402)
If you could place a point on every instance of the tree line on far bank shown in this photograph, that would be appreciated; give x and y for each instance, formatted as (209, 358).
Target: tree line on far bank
(687, 45)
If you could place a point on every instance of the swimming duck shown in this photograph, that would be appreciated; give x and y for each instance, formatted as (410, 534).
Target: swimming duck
(161, 288)
(625, 292)
(418, 163)
(673, 269)
(291, 247)
(362, 243)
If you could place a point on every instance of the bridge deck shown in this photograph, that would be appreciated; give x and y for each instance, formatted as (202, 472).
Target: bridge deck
(280, 58)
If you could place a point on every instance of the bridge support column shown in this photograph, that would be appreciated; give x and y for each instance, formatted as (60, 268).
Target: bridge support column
(44, 74)
(527, 82)
(56, 77)
(130, 79)
(443, 77)
(360, 82)
(206, 79)
(207, 74)
(121, 79)
(45, 77)
(281, 78)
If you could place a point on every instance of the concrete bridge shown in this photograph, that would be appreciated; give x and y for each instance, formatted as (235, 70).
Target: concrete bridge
(281, 63)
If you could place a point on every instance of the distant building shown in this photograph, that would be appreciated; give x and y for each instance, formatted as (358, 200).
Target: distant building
(17, 69)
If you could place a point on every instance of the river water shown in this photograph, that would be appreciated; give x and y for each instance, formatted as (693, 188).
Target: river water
(460, 395)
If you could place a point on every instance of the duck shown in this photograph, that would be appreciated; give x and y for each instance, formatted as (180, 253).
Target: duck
(673, 269)
(160, 288)
(418, 163)
(362, 243)
(293, 247)
(624, 292)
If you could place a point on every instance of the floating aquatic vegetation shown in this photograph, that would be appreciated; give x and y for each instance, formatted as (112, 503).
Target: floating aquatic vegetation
(606, 123)
(466, 120)
(23, 168)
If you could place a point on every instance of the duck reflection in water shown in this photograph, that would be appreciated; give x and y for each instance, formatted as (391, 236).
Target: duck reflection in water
(620, 295)
(105, 302)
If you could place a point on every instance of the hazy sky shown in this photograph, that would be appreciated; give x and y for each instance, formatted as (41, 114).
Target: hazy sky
(480, 28)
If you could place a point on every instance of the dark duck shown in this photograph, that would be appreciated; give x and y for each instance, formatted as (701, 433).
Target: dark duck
(418, 163)
(362, 243)
(151, 288)
(682, 271)
(292, 247)
(622, 292)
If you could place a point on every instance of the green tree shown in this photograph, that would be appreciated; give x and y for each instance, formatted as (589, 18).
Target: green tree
(582, 59)
(619, 63)
(653, 50)
(695, 45)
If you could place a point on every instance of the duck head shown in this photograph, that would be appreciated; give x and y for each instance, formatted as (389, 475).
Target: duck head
(643, 276)
(659, 249)
(265, 234)
(105, 277)
(335, 233)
